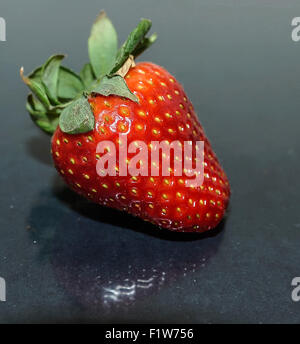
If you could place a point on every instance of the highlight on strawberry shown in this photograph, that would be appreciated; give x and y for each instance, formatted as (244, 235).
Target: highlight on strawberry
(114, 100)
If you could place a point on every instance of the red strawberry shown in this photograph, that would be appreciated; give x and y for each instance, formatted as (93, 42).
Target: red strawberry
(155, 108)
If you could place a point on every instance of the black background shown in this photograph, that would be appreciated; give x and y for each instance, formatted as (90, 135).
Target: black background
(65, 260)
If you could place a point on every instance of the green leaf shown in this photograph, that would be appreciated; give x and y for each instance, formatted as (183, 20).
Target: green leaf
(144, 44)
(133, 40)
(37, 89)
(36, 75)
(102, 45)
(87, 75)
(38, 113)
(47, 126)
(114, 85)
(77, 118)
(50, 73)
(69, 84)
(35, 106)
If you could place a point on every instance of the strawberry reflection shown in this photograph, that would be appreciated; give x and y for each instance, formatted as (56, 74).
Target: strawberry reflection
(105, 259)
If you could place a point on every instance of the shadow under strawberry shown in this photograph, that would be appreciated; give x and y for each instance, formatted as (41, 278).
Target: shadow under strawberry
(122, 219)
(110, 263)
(39, 148)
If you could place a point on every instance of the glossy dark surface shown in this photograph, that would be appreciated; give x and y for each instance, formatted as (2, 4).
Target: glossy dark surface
(67, 260)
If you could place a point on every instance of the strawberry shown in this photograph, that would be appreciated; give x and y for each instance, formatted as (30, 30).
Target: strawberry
(116, 100)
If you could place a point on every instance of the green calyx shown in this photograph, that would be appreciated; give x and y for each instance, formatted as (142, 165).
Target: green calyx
(59, 95)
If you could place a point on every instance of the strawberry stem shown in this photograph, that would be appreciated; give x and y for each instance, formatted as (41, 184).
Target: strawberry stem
(56, 89)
